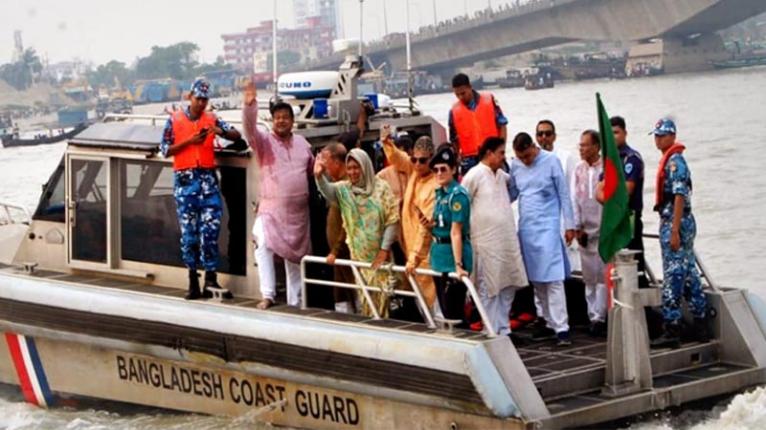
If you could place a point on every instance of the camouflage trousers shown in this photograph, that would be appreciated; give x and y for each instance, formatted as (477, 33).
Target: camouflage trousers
(199, 209)
(680, 275)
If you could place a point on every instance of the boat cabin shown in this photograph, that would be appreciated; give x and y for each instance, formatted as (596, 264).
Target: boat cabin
(109, 207)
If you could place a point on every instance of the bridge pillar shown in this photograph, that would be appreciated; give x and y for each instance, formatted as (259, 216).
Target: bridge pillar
(677, 55)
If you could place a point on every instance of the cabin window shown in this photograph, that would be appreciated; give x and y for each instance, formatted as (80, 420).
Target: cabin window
(149, 224)
(90, 192)
(52, 206)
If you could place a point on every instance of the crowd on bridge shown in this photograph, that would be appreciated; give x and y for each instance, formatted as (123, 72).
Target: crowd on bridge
(445, 207)
(466, 21)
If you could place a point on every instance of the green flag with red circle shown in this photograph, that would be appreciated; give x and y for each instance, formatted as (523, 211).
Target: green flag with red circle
(616, 229)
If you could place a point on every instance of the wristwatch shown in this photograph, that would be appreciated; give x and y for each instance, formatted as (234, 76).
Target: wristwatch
(459, 264)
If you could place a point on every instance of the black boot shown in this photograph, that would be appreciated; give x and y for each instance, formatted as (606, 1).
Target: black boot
(671, 338)
(211, 282)
(701, 330)
(193, 293)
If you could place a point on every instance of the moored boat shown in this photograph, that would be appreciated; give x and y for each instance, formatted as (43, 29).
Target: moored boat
(10, 141)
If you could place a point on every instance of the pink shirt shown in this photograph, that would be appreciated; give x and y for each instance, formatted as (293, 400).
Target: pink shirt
(285, 166)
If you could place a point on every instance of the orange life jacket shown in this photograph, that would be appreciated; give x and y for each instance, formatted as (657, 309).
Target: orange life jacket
(193, 156)
(474, 127)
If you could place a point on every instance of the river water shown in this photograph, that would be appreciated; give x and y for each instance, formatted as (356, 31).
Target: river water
(720, 118)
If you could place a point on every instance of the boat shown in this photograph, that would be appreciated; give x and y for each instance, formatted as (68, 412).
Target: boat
(513, 79)
(91, 306)
(741, 62)
(9, 141)
(537, 78)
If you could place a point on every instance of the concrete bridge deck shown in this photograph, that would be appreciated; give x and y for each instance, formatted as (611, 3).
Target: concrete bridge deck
(547, 23)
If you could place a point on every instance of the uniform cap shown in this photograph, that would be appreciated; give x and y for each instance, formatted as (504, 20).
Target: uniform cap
(664, 127)
(200, 89)
(444, 155)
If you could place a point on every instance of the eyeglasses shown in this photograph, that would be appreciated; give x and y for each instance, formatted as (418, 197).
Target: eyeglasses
(546, 133)
(421, 160)
(441, 169)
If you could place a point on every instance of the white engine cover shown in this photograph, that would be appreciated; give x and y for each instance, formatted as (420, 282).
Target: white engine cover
(307, 85)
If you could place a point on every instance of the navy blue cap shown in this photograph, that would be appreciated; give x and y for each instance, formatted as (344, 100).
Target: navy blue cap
(444, 155)
(200, 89)
(664, 127)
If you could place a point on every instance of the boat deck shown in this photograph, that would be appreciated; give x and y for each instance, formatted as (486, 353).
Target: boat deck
(569, 379)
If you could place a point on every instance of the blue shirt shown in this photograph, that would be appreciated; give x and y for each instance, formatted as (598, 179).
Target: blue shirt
(500, 119)
(452, 205)
(678, 182)
(168, 137)
(543, 194)
(633, 167)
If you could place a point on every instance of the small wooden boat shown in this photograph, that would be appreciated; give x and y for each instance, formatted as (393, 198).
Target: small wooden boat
(9, 142)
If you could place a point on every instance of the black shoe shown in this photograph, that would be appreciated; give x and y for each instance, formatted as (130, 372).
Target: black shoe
(543, 332)
(211, 284)
(211, 280)
(671, 338)
(517, 340)
(597, 329)
(193, 293)
(563, 339)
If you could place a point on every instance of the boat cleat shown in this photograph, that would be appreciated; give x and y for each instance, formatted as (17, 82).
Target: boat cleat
(446, 325)
(217, 294)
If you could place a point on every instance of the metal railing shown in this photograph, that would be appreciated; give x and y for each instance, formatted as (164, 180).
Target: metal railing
(7, 211)
(365, 289)
(704, 272)
(163, 117)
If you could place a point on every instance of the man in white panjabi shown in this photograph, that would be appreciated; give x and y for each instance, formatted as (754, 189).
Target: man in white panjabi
(587, 211)
(498, 264)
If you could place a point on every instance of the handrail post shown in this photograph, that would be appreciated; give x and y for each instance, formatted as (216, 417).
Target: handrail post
(421, 301)
(358, 280)
(628, 367)
(304, 300)
(704, 271)
(479, 306)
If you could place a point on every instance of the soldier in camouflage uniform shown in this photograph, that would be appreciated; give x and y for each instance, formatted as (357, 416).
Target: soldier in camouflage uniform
(677, 232)
(189, 138)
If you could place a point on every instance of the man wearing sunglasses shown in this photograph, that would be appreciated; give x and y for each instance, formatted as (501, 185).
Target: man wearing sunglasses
(473, 119)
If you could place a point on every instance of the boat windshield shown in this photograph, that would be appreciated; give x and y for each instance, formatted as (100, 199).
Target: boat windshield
(148, 221)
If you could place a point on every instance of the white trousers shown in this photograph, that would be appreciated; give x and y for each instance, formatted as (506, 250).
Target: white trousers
(553, 303)
(595, 295)
(498, 307)
(264, 259)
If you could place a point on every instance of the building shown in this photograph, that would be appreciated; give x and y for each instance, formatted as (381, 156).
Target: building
(316, 28)
(326, 10)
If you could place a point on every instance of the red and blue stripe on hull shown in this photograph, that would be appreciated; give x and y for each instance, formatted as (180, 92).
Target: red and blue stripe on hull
(29, 369)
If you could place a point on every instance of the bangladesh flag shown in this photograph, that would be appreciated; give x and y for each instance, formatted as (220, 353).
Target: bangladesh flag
(616, 229)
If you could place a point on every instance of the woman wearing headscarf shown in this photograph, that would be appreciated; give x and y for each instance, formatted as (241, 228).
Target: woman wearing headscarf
(370, 215)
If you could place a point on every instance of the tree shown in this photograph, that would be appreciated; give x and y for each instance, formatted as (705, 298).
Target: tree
(175, 61)
(21, 74)
(112, 74)
(285, 59)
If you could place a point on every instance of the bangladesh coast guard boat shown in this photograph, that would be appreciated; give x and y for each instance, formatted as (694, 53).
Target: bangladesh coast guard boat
(91, 307)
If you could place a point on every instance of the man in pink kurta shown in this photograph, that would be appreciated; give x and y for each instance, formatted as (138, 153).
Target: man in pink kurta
(281, 227)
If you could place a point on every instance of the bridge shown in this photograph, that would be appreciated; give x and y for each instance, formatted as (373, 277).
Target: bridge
(544, 23)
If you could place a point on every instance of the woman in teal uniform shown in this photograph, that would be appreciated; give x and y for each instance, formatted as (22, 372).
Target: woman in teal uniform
(451, 247)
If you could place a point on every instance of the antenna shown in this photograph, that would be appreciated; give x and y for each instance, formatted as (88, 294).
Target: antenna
(361, 26)
(409, 56)
(274, 52)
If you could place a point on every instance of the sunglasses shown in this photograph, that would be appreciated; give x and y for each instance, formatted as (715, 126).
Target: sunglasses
(419, 160)
(546, 133)
(441, 169)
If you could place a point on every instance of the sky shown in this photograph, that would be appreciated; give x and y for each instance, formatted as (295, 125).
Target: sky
(101, 30)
